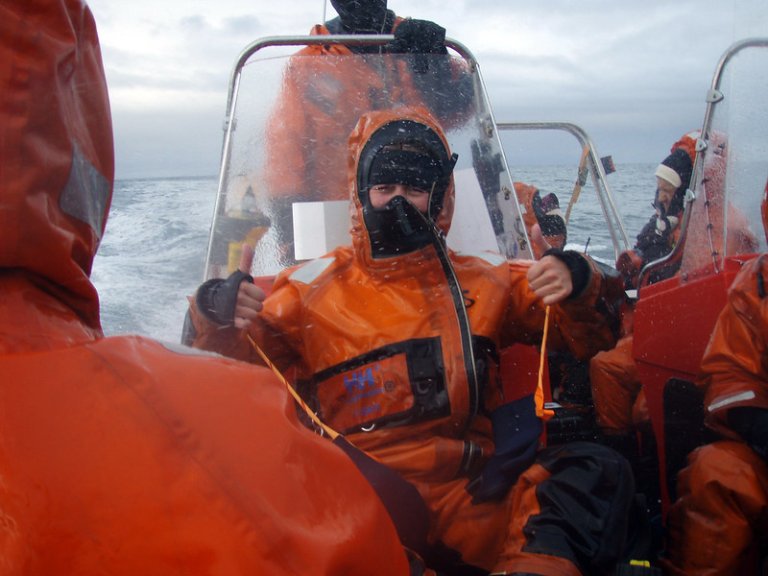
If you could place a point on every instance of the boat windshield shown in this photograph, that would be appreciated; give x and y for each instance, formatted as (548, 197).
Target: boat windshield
(732, 169)
(283, 183)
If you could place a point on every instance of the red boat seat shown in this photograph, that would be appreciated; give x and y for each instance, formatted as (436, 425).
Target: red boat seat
(673, 322)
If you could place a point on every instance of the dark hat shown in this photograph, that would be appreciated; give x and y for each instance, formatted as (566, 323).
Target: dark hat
(362, 16)
(549, 215)
(676, 169)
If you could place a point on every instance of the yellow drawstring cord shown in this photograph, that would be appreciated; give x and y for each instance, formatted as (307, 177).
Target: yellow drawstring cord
(322, 425)
(538, 398)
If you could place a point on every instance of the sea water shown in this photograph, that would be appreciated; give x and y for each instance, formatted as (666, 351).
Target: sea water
(152, 254)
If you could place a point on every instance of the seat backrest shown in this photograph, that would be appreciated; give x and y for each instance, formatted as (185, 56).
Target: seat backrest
(672, 324)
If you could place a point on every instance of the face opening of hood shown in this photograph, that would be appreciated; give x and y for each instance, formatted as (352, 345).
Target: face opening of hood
(403, 151)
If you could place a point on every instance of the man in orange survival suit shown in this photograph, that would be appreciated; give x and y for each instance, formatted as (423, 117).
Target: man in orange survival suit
(613, 373)
(720, 521)
(327, 87)
(395, 339)
(119, 455)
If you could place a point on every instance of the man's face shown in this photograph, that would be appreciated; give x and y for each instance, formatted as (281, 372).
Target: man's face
(381, 194)
(665, 192)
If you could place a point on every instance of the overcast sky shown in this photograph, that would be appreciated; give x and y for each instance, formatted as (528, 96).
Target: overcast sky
(633, 74)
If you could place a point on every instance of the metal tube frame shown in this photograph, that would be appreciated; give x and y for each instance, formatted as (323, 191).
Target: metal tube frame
(599, 178)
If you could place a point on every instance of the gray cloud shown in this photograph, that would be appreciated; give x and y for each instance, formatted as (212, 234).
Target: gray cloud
(168, 144)
(634, 75)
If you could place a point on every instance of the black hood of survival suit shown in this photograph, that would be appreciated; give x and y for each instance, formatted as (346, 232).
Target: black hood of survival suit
(403, 151)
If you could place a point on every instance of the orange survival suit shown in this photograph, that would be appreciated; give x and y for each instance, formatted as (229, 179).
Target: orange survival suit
(123, 456)
(720, 521)
(326, 88)
(399, 351)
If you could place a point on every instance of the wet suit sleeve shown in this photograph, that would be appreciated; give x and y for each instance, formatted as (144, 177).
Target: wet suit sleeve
(266, 330)
(289, 133)
(418, 37)
(735, 364)
(584, 324)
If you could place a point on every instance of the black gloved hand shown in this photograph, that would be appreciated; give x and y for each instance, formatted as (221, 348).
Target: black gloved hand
(516, 432)
(419, 37)
(651, 243)
(216, 298)
(547, 211)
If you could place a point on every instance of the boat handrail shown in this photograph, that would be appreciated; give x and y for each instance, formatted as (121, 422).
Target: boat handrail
(328, 39)
(607, 203)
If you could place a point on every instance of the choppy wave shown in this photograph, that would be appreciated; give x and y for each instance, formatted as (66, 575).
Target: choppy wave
(153, 253)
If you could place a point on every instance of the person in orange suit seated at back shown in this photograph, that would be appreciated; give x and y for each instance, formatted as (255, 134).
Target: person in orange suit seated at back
(326, 87)
(542, 211)
(616, 391)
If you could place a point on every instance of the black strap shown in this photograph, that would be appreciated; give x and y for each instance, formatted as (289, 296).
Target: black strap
(405, 505)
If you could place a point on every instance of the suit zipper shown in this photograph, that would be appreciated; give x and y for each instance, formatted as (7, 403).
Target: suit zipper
(463, 321)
